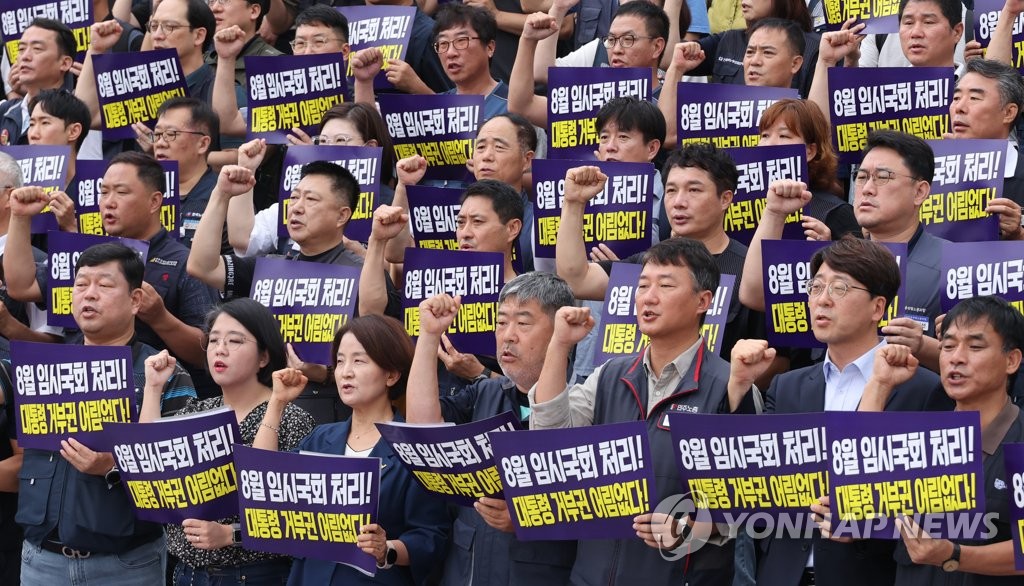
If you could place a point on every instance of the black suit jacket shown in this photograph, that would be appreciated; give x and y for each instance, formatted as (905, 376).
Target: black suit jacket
(861, 563)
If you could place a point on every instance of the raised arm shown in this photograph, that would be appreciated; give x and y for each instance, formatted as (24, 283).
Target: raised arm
(103, 37)
(521, 99)
(288, 384)
(1000, 46)
(241, 211)
(833, 48)
(19, 264)
(572, 324)
(388, 222)
(548, 47)
(421, 398)
(204, 260)
(159, 368)
(228, 44)
(410, 171)
(784, 197)
(587, 280)
(685, 57)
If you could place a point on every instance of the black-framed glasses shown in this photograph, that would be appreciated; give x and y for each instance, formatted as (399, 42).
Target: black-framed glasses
(317, 43)
(460, 44)
(625, 41)
(836, 289)
(171, 135)
(167, 27)
(232, 342)
(879, 176)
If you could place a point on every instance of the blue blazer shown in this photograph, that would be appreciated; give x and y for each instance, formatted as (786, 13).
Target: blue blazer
(870, 561)
(406, 512)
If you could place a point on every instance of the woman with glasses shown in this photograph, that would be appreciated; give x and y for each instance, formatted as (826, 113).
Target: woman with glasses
(243, 347)
(372, 359)
(347, 124)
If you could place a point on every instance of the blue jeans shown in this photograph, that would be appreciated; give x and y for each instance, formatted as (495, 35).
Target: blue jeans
(273, 573)
(142, 565)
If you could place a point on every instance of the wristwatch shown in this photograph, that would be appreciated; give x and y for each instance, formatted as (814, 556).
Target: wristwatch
(486, 374)
(236, 534)
(390, 557)
(953, 563)
(113, 477)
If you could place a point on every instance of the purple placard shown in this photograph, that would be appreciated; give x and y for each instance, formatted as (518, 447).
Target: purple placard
(433, 211)
(131, 87)
(886, 465)
(178, 468)
(387, 27)
(440, 128)
(17, 15)
(70, 391)
(364, 163)
(453, 462)
(986, 17)
(914, 100)
(63, 249)
(726, 115)
(1013, 454)
(970, 269)
(311, 300)
(787, 267)
(878, 16)
(89, 177)
(968, 175)
(897, 307)
(758, 167)
(736, 465)
(620, 335)
(42, 166)
(476, 276)
(580, 483)
(621, 216)
(575, 94)
(321, 519)
(292, 91)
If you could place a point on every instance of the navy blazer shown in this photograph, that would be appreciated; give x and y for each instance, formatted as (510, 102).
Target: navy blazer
(406, 512)
(782, 560)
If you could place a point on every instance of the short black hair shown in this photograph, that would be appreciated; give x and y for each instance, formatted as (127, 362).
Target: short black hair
(453, 14)
(689, 253)
(343, 184)
(264, 9)
(707, 157)
(147, 168)
(265, 330)
(1003, 317)
(199, 15)
(654, 18)
(870, 263)
(322, 14)
(915, 153)
(507, 204)
(66, 106)
(128, 259)
(951, 9)
(201, 115)
(66, 43)
(794, 35)
(631, 113)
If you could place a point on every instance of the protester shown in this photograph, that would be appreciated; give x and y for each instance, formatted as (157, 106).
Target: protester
(373, 356)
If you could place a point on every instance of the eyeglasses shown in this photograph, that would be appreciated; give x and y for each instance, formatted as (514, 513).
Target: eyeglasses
(212, 3)
(170, 135)
(233, 343)
(338, 139)
(167, 27)
(836, 289)
(460, 44)
(879, 176)
(316, 43)
(625, 41)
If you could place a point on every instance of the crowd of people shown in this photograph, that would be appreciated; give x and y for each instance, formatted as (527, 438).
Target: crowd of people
(198, 342)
